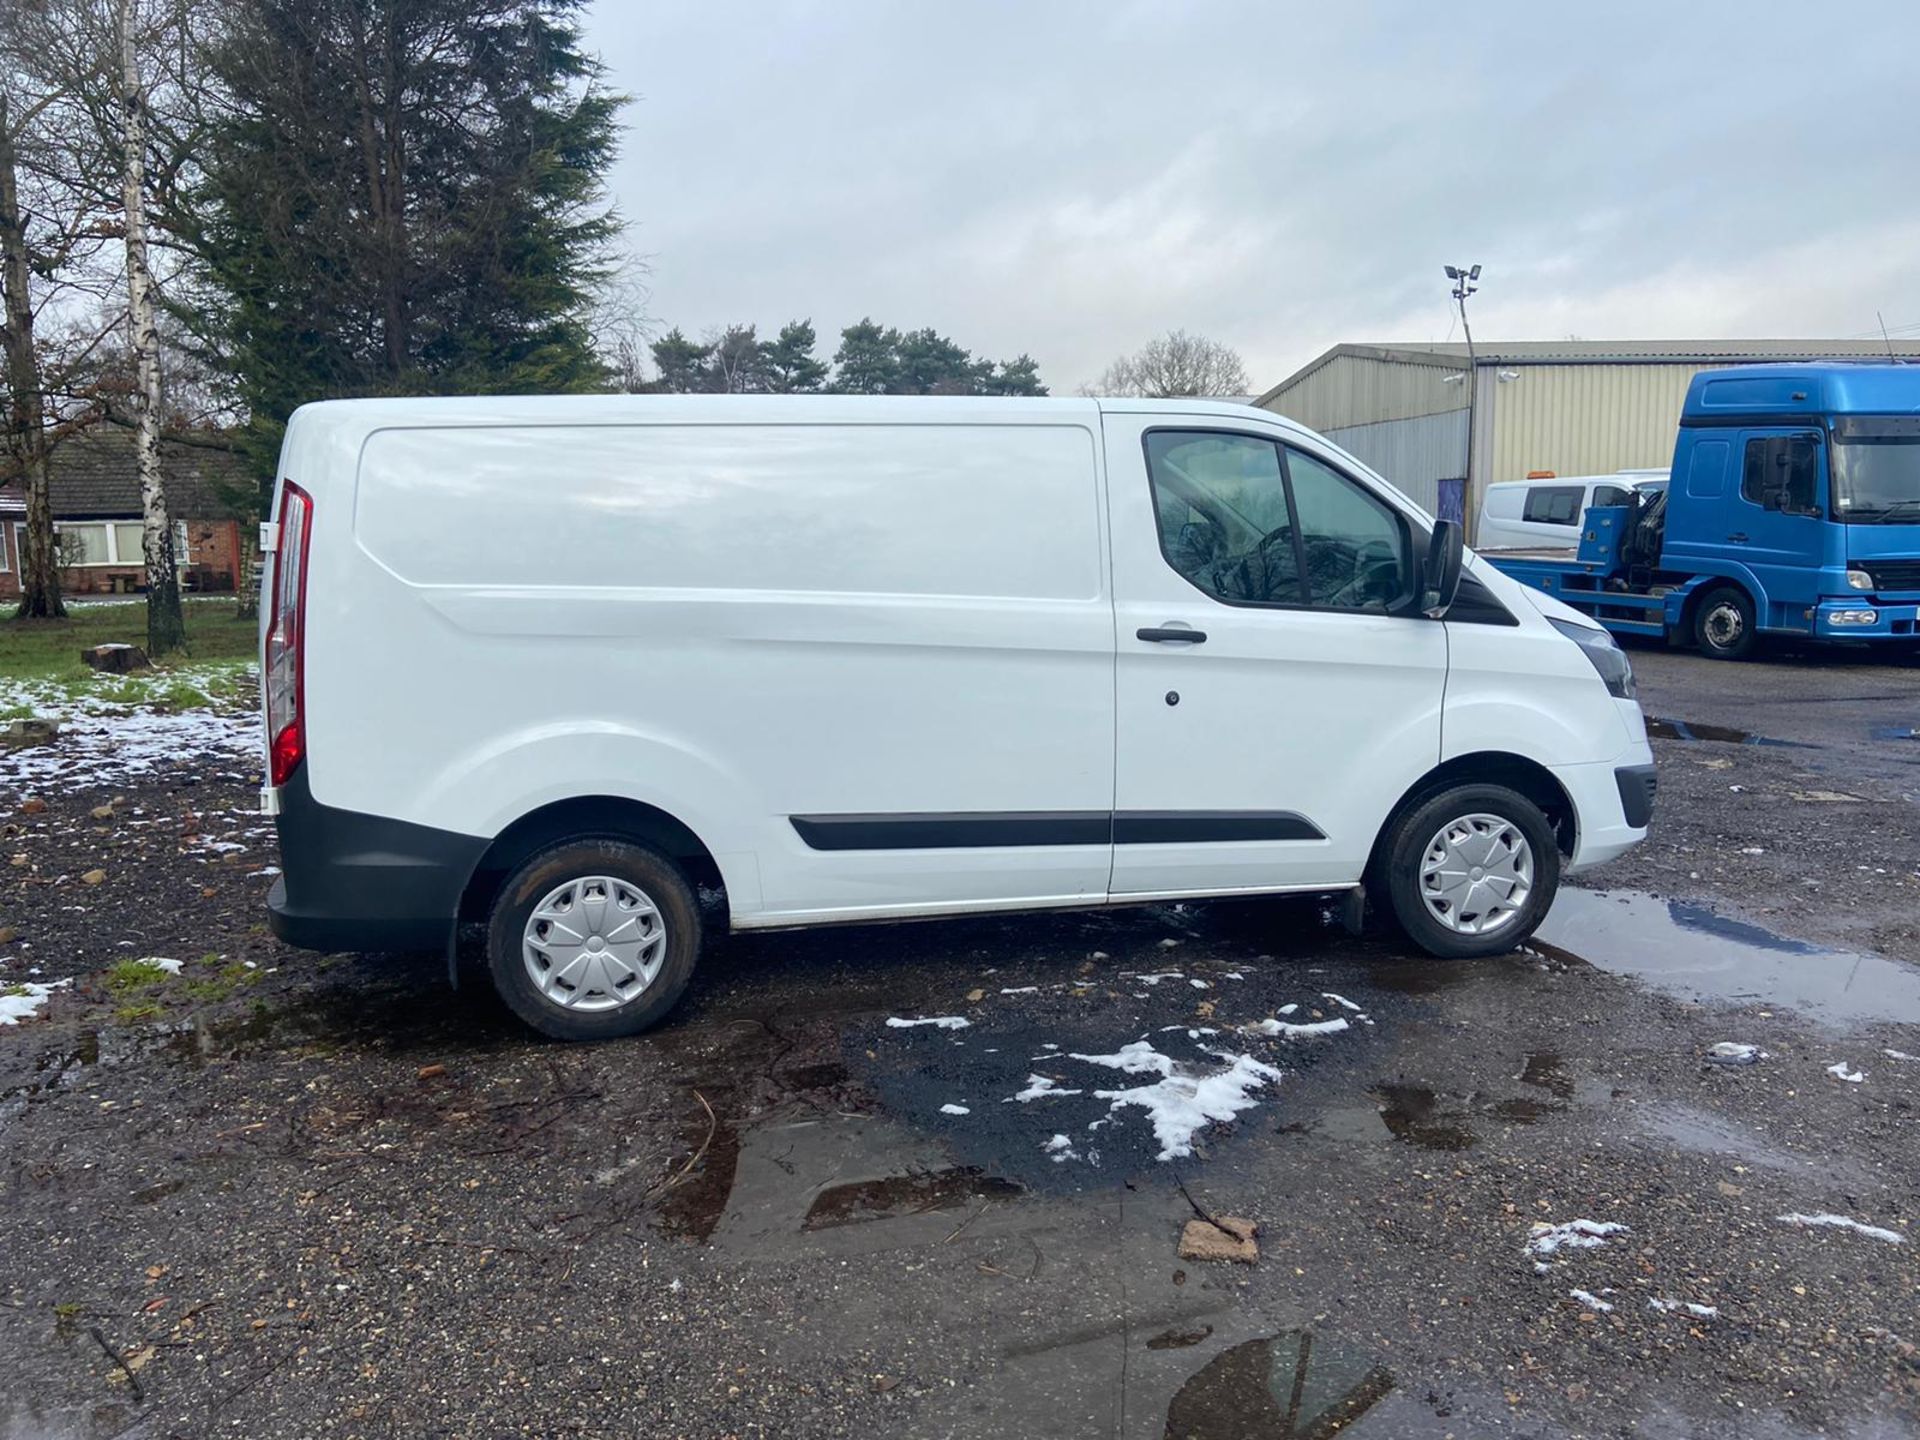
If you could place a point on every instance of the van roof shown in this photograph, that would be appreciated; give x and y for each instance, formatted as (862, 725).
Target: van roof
(746, 409)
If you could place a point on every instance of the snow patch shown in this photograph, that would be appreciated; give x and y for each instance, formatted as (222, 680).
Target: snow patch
(1548, 1239)
(1182, 1102)
(1592, 1301)
(951, 1109)
(1667, 1306)
(1839, 1071)
(1156, 979)
(1899, 1055)
(1060, 1149)
(1301, 1032)
(23, 1002)
(172, 967)
(1039, 1087)
(939, 1022)
(102, 745)
(1842, 1222)
(1021, 990)
(1340, 1000)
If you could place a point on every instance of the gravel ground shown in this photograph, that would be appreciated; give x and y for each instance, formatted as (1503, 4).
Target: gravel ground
(277, 1194)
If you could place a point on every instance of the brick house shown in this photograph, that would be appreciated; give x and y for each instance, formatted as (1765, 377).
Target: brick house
(95, 489)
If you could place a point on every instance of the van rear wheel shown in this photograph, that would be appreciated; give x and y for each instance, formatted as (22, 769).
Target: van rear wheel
(1470, 871)
(593, 938)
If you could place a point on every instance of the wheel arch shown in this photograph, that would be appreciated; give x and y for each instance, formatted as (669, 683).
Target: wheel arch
(604, 816)
(1490, 767)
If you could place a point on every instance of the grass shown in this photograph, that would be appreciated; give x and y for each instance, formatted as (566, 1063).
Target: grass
(50, 649)
(222, 982)
(129, 977)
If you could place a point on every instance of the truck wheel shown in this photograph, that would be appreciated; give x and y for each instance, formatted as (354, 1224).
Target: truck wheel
(593, 938)
(1471, 871)
(1723, 624)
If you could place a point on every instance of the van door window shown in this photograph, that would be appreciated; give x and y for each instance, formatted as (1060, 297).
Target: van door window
(1225, 524)
(1782, 472)
(1612, 495)
(1553, 505)
(1356, 547)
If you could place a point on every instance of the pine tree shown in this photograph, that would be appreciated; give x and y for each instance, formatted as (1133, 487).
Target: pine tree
(405, 196)
(868, 360)
(682, 363)
(792, 367)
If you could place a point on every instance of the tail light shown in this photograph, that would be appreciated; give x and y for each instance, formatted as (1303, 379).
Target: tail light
(285, 667)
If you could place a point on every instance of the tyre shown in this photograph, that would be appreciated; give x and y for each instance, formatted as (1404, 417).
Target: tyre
(1723, 624)
(1470, 871)
(593, 938)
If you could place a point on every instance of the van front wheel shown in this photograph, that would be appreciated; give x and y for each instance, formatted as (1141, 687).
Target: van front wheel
(593, 939)
(1471, 871)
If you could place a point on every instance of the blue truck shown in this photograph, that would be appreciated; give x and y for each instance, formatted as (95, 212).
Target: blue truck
(1794, 509)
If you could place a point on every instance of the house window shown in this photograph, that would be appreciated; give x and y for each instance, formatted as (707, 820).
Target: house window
(110, 542)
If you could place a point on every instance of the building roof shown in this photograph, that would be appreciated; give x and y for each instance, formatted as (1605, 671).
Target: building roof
(92, 476)
(1600, 352)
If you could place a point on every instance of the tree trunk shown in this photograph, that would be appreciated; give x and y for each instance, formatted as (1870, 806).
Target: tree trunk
(26, 414)
(166, 630)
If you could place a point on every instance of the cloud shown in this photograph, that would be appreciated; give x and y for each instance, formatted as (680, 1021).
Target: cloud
(1071, 179)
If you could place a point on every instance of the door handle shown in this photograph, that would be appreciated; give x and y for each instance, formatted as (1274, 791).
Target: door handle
(1171, 632)
(1737, 538)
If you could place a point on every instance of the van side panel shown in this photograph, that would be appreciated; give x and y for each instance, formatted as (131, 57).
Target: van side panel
(740, 624)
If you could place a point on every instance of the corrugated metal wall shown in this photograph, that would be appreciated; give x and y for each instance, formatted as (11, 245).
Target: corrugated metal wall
(1415, 454)
(1349, 390)
(1582, 419)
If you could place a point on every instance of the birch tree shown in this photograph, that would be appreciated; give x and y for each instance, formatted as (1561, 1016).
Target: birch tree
(166, 629)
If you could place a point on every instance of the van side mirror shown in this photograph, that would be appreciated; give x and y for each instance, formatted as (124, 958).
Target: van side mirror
(1440, 573)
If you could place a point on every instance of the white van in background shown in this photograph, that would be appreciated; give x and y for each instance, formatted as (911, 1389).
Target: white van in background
(1546, 512)
(547, 665)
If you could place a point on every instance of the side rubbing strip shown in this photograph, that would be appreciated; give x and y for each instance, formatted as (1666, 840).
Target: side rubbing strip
(954, 831)
(1198, 827)
(964, 830)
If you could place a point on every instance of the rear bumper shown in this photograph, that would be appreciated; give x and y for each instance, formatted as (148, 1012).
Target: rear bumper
(352, 881)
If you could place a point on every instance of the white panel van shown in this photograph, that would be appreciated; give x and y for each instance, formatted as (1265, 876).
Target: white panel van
(1546, 513)
(552, 665)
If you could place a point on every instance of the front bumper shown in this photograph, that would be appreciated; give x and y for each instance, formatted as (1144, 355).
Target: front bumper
(1612, 804)
(1865, 619)
(358, 882)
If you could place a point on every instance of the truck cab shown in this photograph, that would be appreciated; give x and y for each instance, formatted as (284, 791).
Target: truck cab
(1794, 509)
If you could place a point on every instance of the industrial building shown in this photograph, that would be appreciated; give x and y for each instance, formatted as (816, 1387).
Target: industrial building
(1574, 407)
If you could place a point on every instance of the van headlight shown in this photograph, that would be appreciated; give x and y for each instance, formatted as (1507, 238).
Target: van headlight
(1606, 657)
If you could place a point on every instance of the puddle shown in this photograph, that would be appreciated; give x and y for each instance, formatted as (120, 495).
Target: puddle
(1412, 1113)
(898, 1195)
(1543, 1070)
(1661, 728)
(1179, 1339)
(1289, 1387)
(1686, 950)
(1895, 732)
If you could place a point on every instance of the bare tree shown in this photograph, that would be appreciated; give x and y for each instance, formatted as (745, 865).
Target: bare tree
(1174, 364)
(26, 410)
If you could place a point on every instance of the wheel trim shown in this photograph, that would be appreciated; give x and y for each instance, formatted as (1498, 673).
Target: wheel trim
(1724, 625)
(1476, 874)
(594, 943)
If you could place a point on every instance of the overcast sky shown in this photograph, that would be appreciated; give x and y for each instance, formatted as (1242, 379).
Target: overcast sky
(1070, 179)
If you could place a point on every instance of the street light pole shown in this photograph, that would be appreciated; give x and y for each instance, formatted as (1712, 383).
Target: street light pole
(1465, 282)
